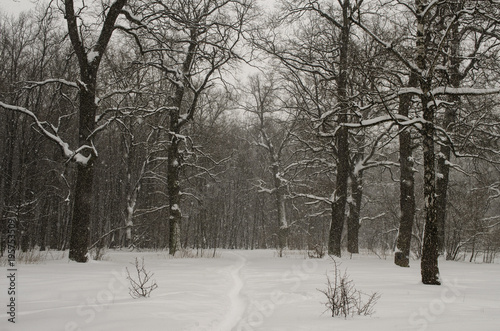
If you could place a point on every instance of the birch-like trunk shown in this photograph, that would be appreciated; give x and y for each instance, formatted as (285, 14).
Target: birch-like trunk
(279, 192)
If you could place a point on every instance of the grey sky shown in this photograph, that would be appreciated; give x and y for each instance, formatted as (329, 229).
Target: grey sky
(14, 7)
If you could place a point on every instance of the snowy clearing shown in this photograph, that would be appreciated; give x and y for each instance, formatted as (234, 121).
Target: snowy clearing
(247, 290)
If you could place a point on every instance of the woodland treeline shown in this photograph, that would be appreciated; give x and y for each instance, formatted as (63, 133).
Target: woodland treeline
(327, 126)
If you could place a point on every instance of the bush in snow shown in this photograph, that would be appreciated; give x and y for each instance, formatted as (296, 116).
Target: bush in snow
(143, 285)
(343, 299)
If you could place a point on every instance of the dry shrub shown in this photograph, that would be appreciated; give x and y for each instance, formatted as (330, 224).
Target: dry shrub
(343, 299)
(143, 285)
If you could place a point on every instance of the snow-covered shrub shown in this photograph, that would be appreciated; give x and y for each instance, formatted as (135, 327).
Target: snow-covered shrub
(143, 285)
(343, 299)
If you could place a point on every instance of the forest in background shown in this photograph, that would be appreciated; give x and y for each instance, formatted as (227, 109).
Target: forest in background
(369, 125)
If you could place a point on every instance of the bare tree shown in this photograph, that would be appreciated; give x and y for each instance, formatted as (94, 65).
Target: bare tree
(89, 58)
(337, 26)
(432, 33)
(205, 35)
(274, 134)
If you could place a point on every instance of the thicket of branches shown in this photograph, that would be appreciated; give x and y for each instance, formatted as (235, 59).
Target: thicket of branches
(372, 126)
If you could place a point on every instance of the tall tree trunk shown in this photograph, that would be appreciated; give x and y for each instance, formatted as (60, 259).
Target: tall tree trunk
(342, 142)
(80, 225)
(173, 186)
(406, 183)
(281, 209)
(443, 167)
(429, 262)
(132, 187)
(353, 221)
(44, 224)
(173, 154)
(430, 252)
(89, 66)
(8, 176)
(129, 218)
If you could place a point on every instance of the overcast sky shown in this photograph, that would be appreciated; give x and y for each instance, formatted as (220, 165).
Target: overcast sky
(14, 7)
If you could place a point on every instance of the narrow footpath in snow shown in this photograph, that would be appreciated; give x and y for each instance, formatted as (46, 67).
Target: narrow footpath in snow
(237, 303)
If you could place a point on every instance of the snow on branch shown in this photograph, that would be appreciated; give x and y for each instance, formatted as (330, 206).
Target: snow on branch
(52, 135)
(304, 163)
(456, 167)
(399, 119)
(372, 218)
(488, 219)
(428, 7)
(262, 189)
(447, 90)
(32, 84)
(410, 90)
(315, 198)
(496, 191)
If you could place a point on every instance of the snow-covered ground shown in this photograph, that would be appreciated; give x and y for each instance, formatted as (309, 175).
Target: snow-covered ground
(246, 290)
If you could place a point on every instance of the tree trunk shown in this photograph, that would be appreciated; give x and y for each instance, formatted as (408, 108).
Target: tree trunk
(279, 192)
(129, 219)
(443, 168)
(8, 176)
(353, 221)
(173, 187)
(283, 225)
(173, 173)
(342, 142)
(80, 224)
(79, 239)
(80, 232)
(406, 183)
(132, 187)
(429, 262)
(430, 252)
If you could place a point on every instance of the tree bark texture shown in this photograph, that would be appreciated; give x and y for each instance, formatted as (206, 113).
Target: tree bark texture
(279, 191)
(342, 141)
(406, 183)
(443, 168)
(174, 197)
(79, 239)
(429, 262)
(353, 221)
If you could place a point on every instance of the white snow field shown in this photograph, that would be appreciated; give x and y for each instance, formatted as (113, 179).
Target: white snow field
(246, 290)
